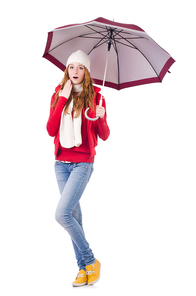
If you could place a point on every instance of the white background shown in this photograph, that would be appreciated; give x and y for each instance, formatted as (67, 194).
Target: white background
(139, 207)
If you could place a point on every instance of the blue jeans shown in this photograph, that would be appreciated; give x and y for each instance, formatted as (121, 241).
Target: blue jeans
(72, 179)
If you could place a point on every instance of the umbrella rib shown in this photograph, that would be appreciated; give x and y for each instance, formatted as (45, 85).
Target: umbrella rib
(135, 47)
(121, 37)
(127, 33)
(82, 36)
(97, 31)
(131, 46)
(106, 28)
(97, 45)
(88, 34)
(62, 43)
(131, 38)
(131, 34)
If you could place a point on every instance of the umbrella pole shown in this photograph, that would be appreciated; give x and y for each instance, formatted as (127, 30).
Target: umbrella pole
(104, 77)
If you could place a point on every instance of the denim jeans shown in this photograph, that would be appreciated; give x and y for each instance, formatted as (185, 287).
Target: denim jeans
(72, 179)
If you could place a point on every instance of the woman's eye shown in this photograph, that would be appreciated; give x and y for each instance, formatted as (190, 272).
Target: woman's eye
(81, 68)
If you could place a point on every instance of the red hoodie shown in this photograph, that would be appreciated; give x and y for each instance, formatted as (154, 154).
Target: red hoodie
(90, 131)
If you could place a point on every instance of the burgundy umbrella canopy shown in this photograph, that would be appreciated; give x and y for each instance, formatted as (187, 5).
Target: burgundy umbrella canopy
(134, 57)
(121, 55)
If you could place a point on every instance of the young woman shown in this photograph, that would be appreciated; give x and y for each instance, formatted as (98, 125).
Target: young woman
(75, 141)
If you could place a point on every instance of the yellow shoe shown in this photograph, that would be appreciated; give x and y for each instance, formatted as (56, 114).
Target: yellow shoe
(93, 272)
(81, 279)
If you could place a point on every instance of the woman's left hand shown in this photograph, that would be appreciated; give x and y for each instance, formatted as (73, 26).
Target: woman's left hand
(100, 111)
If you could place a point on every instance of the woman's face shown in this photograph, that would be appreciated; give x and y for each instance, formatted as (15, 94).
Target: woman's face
(76, 73)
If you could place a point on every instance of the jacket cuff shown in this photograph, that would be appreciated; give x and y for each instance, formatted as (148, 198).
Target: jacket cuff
(102, 120)
(61, 98)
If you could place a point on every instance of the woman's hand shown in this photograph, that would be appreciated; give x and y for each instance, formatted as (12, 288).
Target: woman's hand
(100, 111)
(65, 92)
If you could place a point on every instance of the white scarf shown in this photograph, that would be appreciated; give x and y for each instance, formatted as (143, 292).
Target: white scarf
(70, 128)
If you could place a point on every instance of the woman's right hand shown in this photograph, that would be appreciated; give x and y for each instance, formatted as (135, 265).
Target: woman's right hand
(66, 91)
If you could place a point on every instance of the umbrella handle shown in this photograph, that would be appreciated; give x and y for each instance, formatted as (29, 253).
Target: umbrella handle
(89, 118)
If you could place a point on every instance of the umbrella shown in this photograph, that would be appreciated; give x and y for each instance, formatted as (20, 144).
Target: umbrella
(121, 55)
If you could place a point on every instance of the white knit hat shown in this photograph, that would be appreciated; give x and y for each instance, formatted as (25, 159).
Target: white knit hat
(79, 57)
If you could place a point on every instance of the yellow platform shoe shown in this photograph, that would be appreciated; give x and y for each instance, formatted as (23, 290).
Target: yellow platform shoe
(81, 279)
(93, 272)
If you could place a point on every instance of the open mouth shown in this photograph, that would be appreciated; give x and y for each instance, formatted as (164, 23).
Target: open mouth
(75, 77)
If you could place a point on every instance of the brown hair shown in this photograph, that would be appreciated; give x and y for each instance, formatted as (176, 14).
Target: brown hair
(85, 98)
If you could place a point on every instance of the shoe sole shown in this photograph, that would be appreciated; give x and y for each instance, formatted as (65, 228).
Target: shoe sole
(90, 284)
(79, 285)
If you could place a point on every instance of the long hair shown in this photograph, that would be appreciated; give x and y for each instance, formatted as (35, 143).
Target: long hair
(85, 98)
